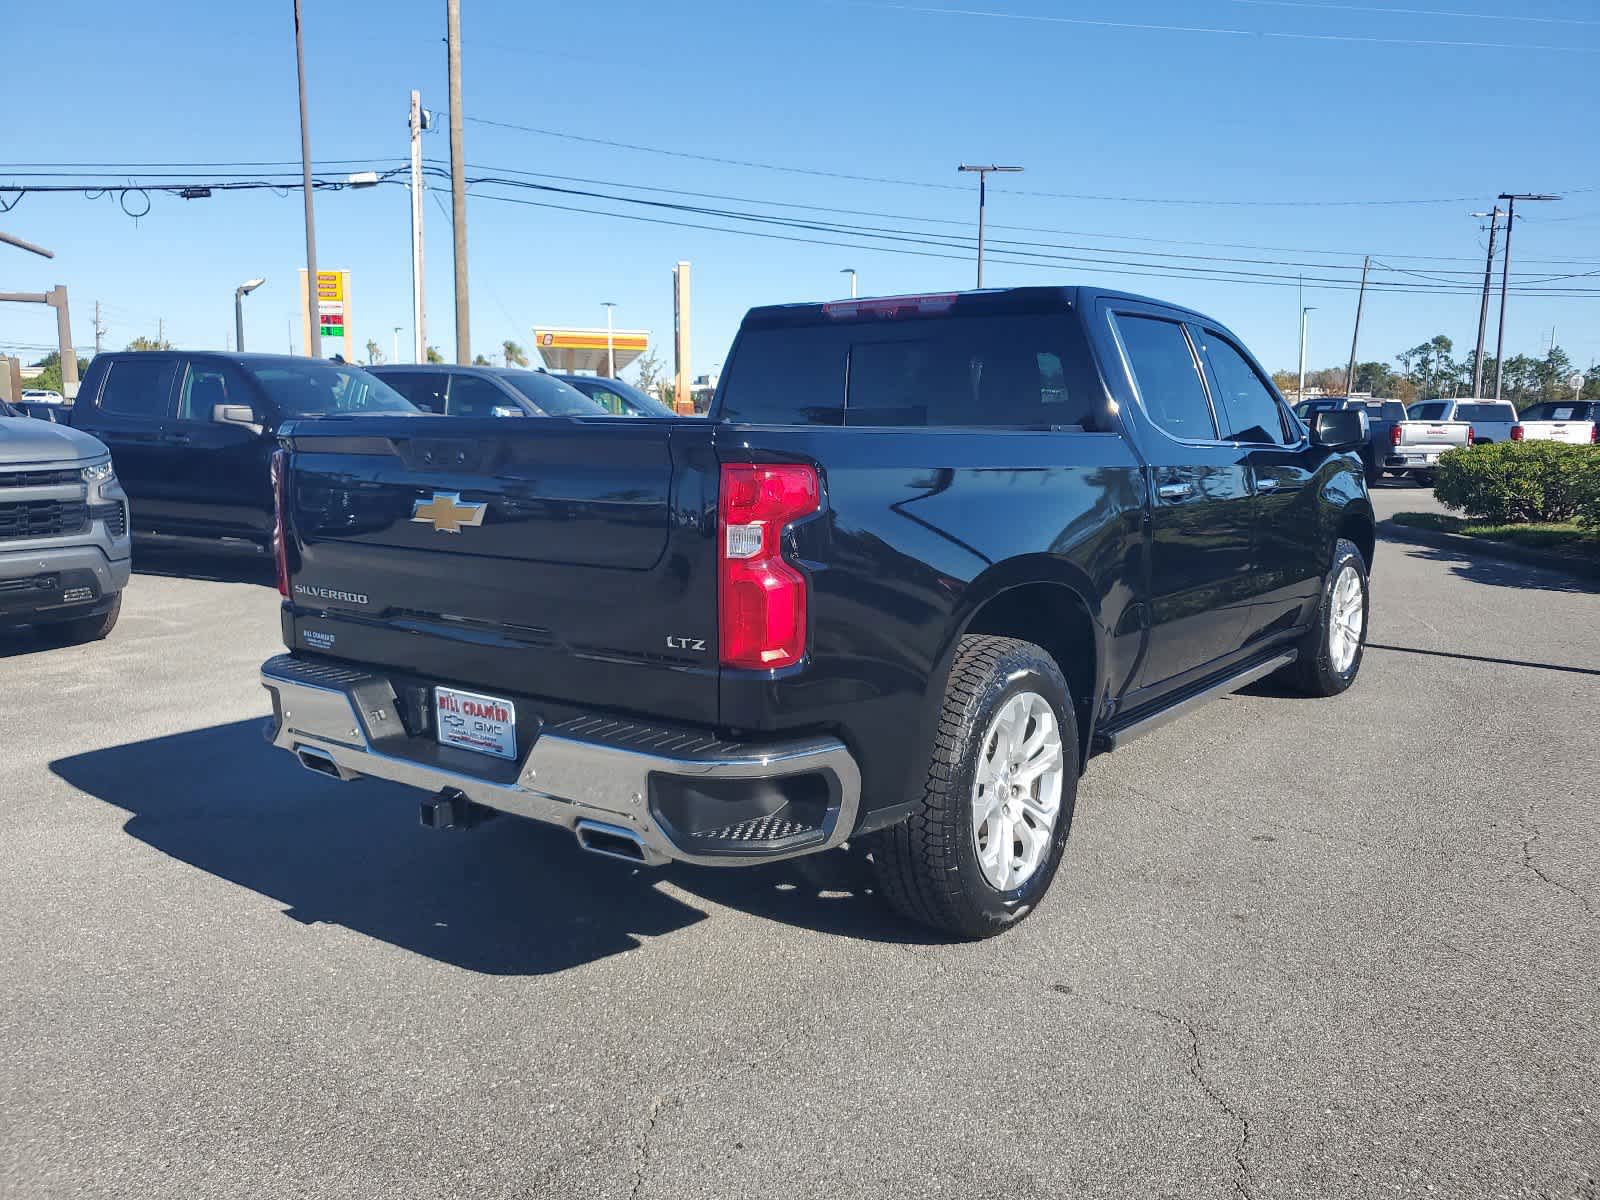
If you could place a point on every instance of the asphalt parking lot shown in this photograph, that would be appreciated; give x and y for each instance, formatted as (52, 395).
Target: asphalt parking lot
(1298, 947)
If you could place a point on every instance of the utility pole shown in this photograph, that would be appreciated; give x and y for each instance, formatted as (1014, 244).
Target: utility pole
(1511, 199)
(397, 343)
(1361, 300)
(161, 332)
(983, 192)
(851, 271)
(419, 314)
(682, 399)
(1483, 310)
(611, 341)
(458, 183)
(99, 327)
(314, 323)
(1305, 312)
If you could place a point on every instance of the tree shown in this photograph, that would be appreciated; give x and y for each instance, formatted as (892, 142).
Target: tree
(49, 377)
(1429, 366)
(374, 354)
(144, 343)
(1286, 381)
(651, 377)
(479, 360)
(514, 354)
(1375, 378)
(434, 356)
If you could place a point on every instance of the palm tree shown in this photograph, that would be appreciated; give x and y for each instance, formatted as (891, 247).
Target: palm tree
(374, 354)
(515, 355)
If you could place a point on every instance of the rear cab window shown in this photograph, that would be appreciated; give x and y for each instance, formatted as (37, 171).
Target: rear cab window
(425, 389)
(1028, 370)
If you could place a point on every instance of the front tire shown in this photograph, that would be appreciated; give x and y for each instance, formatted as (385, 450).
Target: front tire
(1331, 650)
(982, 848)
(84, 629)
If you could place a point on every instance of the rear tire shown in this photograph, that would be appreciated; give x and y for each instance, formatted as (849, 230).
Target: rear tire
(84, 629)
(1331, 650)
(984, 844)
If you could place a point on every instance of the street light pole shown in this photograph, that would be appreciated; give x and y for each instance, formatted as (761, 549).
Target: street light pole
(1511, 199)
(458, 183)
(419, 314)
(983, 193)
(851, 271)
(397, 343)
(313, 322)
(1305, 311)
(611, 344)
(239, 293)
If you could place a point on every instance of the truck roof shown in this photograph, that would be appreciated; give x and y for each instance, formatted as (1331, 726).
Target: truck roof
(988, 301)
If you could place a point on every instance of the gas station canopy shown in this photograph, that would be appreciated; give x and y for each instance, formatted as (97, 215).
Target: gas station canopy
(585, 349)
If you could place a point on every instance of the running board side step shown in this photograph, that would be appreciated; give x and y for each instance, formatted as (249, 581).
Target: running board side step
(1110, 739)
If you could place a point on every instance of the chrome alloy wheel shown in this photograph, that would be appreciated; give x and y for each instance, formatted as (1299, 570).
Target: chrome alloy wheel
(1346, 616)
(1016, 791)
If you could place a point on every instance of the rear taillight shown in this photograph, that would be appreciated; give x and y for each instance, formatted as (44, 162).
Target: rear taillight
(280, 527)
(762, 597)
(1594, 434)
(1516, 433)
(1472, 436)
(1394, 434)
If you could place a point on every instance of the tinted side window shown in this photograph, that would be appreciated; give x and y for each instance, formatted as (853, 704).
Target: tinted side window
(206, 385)
(1247, 405)
(787, 377)
(471, 396)
(1167, 376)
(989, 372)
(425, 390)
(138, 387)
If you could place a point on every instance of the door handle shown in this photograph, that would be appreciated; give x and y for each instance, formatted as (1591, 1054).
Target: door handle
(1266, 485)
(177, 439)
(1175, 491)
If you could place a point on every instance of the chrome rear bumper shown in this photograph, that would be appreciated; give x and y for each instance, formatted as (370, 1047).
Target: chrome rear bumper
(590, 768)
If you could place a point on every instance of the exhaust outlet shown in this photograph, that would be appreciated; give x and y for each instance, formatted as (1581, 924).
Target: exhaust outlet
(318, 761)
(611, 841)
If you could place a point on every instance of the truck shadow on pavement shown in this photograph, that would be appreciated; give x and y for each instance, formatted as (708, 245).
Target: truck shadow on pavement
(511, 898)
(1499, 572)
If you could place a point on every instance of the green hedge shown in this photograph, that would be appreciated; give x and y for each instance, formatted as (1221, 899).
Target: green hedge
(1513, 483)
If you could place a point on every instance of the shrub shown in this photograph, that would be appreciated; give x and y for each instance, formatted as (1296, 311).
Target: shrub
(1512, 483)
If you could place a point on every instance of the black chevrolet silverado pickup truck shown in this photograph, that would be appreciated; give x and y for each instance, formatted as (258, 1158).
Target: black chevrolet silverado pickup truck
(928, 555)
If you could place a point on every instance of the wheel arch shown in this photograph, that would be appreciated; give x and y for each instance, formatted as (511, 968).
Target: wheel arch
(1050, 603)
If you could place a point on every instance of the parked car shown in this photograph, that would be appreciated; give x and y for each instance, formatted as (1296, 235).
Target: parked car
(926, 556)
(43, 395)
(456, 391)
(616, 397)
(1491, 420)
(65, 554)
(1575, 421)
(191, 433)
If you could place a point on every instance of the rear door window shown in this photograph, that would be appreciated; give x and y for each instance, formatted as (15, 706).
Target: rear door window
(139, 387)
(1427, 412)
(1246, 404)
(425, 389)
(1167, 376)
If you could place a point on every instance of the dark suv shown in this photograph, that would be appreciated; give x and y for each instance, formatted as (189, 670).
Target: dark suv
(191, 433)
(618, 398)
(456, 391)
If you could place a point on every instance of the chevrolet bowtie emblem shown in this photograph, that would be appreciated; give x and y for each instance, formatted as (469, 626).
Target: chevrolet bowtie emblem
(447, 514)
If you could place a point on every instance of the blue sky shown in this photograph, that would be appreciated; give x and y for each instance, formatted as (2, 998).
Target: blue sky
(1296, 102)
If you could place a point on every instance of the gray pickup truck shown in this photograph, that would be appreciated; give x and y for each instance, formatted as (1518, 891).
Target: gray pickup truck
(1396, 443)
(65, 553)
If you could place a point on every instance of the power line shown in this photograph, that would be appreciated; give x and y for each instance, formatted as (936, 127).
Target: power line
(1357, 39)
(1416, 12)
(753, 164)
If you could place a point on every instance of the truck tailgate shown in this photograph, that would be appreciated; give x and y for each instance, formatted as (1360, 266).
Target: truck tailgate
(562, 559)
(1576, 433)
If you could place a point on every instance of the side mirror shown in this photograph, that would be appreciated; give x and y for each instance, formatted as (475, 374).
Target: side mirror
(1339, 429)
(235, 414)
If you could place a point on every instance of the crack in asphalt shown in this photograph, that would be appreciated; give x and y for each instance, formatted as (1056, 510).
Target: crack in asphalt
(646, 1145)
(1533, 835)
(1243, 1179)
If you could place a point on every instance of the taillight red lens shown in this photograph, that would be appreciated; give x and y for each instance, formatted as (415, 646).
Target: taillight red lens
(1394, 434)
(280, 528)
(1594, 433)
(761, 597)
(1472, 436)
(1516, 433)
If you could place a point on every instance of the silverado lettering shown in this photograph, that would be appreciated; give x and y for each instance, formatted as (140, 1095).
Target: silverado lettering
(953, 546)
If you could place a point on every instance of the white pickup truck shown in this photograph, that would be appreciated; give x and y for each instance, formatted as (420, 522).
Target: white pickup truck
(1415, 446)
(1571, 421)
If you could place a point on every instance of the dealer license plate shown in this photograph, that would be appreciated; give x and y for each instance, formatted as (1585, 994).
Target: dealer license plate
(470, 721)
